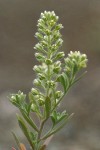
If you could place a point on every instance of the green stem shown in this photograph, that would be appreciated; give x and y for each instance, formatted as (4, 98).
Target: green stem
(41, 128)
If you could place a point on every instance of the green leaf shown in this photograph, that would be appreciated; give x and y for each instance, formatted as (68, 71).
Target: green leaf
(33, 136)
(58, 117)
(64, 81)
(29, 120)
(25, 130)
(29, 108)
(33, 100)
(47, 106)
(61, 117)
(35, 104)
(54, 117)
(53, 120)
(15, 103)
(57, 128)
(17, 140)
(62, 124)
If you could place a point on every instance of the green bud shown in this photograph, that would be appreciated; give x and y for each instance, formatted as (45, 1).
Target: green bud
(68, 70)
(34, 108)
(75, 61)
(51, 84)
(37, 96)
(59, 55)
(83, 64)
(37, 82)
(38, 35)
(48, 32)
(57, 67)
(34, 91)
(59, 42)
(41, 76)
(57, 63)
(58, 94)
(52, 23)
(56, 70)
(39, 57)
(18, 99)
(58, 27)
(56, 35)
(38, 69)
(38, 46)
(41, 101)
(54, 47)
(44, 43)
(48, 61)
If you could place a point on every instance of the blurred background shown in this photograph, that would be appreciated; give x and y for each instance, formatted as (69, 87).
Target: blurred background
(81, 21)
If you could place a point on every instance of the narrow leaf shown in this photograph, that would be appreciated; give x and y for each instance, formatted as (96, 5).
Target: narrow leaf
(62, 118)
(29, 108)
(15, 103)
(33, 100)
(29, 120)
(62, 125)
(25, 130)
(47, 106)
(57, 128)
(53, 120)
(16, 139)
(64, 81)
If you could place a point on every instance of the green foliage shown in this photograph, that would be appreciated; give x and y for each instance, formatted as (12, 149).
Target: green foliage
(44, 98)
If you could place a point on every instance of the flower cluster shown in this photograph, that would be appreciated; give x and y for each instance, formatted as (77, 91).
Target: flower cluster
(74, 63)
(44, 97)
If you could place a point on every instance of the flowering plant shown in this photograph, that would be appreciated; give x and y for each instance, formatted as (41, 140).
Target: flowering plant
(45, 98)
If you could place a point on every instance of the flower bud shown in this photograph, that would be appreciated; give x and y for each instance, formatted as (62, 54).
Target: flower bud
(56, 70)
(58, 94)
(37, 82)
(41, 76)
(48, 32)
(33, 107)
(52, 23)
(41, 101)
(37, 68)
(51, 84)
(38, 46)
(34, 91)
(48, 61)
(57, 67)
(13, 98)
(21, 96)
(59, 55)
(38, 35)
(59, 42)
(59, 26)
(17, 99)
(39, 57)
(75, 61)
(44, 43)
